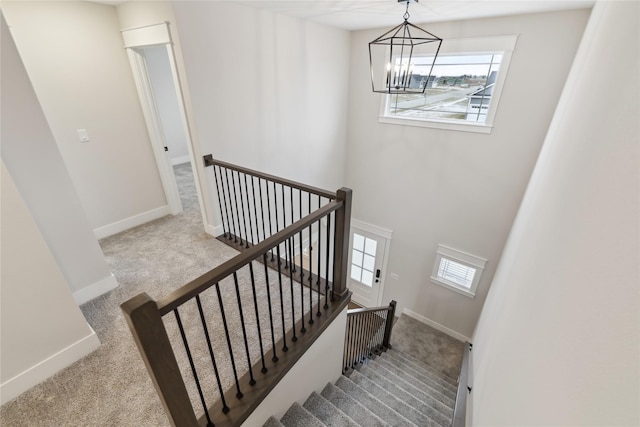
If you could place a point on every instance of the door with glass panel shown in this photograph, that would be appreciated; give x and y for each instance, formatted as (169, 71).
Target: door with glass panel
(366, 260)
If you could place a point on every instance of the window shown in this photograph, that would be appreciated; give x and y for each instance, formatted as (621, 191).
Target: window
(457, 270)
(363, 259)
(463, 90)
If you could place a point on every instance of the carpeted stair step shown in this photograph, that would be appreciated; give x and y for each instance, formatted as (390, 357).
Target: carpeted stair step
(273, 422)
(420, 417)
(438, 392)
(372, 403)
(356, 411)
(435, 409)
(327, 412)
(420, 366)
(298, 416)
(434, 381)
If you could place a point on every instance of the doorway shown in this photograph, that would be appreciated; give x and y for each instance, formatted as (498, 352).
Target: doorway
(368, 255)
(150, 51)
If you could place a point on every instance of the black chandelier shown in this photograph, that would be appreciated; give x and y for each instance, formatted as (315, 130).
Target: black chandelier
(402, 59)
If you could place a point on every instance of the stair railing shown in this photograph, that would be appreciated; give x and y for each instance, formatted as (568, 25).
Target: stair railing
(368, 334)
(175, 334)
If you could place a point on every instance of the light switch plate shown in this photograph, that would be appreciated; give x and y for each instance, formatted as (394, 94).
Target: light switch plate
(83, 135)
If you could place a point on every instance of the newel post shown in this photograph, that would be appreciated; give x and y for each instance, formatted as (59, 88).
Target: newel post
(153, 343)
(391, 314)
(343, 230)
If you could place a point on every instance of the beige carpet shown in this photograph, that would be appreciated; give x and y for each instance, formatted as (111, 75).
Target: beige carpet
(111, 387)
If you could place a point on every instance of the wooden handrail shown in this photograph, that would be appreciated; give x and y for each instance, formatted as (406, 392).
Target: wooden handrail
(210, 161)
(195, 287)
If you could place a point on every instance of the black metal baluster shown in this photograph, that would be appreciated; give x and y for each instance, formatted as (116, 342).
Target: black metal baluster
(284, 225)
(293, 309)
(225, 408)
(310, 268)
(255, 209)
(293, 240)
(255, 305)
(264, 230)
(193, 367)
(266, 279)
(252, 382)
(235, 199)
(269, 210)
(233, 222)
(333, 270)
(225, 227)
(326, 272)
(318, 313)
(284, 331)
(244, 221)
(226, 332)
(246, 189)
(301, 251)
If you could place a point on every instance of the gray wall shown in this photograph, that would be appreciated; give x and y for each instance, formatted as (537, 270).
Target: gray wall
(559, 337)
(460, 189)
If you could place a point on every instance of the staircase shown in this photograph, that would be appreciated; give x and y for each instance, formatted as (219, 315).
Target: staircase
(394, 389)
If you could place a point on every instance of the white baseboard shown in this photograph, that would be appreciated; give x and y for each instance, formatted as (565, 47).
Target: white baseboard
(180, 160)
(134, 221)
(214, 230)
(36, 374)
(436, 325)
(96, 289)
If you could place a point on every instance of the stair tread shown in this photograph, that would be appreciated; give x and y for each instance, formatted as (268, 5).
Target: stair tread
(273, 422)
(327, 412)
(438, 393)
(399, 404)
(359, 413)
(432, 379)
(296, 416)
(420, 365)
(372, 403)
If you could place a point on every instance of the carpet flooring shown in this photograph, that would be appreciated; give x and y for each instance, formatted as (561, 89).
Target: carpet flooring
(111, 387)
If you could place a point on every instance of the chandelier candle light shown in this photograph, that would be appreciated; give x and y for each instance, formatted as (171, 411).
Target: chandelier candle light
(405, 56)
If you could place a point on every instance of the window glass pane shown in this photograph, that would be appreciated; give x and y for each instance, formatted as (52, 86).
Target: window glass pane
(369, 262)
(370, 247)
(456, 272)
(356, 272)
(459, 88)
(358, 242)
(356, 258)
(367, 277)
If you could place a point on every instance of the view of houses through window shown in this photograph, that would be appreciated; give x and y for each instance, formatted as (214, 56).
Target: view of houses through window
(459, 88)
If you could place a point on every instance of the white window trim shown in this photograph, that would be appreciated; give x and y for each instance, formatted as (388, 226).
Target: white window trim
(504, 45)
(462, 258)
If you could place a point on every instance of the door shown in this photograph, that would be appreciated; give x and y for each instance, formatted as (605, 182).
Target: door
(367, 260)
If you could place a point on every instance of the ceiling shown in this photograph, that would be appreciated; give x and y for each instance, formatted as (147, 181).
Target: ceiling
(362, 14)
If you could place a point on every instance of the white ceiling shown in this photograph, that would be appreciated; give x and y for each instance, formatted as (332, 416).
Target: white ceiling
(362, 14)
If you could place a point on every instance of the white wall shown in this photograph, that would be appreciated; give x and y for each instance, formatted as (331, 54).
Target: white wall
(460, 189)
(164, 92)
(558, 340)
(34, 161)
(41, 328)
(73, 52)
(268, 92)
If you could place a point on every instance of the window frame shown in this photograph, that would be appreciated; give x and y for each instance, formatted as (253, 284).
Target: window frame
(503, 45)
(460, 257)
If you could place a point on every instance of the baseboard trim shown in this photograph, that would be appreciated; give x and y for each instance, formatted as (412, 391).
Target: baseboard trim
(436, 325)
(22, 382)
(214, 230)
(100, 287)
(134, 221)
(180, 160)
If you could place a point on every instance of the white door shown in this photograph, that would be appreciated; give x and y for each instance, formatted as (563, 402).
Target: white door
(367, 259)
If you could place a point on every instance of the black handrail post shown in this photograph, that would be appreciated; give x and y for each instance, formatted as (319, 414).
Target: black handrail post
(150, 335)
(389, 326)
(341, 242)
